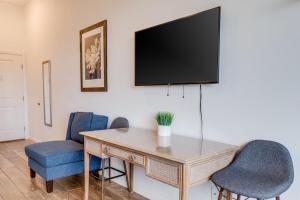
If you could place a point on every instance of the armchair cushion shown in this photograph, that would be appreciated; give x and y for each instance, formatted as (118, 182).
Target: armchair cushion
(60, 171)
(81, 122)
(54, 153)
(84, 121)
(99, 122)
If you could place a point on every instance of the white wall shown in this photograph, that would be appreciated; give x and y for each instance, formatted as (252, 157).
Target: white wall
(12, 25)
(258, 95)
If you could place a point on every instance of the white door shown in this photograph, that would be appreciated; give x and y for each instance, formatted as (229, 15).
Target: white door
(12, 122)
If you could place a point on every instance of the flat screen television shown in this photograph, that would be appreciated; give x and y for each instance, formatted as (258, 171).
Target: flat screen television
(184, 51)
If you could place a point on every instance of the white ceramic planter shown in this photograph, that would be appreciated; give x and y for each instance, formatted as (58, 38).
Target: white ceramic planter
(164, 141)
(164, 131)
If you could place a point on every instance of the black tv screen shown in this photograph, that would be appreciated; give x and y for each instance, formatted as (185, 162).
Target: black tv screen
(184, 51)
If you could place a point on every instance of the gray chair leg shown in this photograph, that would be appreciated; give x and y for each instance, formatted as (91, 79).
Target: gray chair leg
(229, 195)
(220, 194)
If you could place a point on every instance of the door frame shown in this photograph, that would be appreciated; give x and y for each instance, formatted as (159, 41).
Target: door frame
(14, 53)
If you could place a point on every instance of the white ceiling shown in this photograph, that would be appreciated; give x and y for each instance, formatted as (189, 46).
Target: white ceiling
(16, 2)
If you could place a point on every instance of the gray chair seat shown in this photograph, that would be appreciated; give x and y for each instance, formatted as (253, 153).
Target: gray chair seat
(250, 183)
(262, 170)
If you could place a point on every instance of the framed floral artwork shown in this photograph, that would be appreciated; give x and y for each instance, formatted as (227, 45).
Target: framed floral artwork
(93, 58)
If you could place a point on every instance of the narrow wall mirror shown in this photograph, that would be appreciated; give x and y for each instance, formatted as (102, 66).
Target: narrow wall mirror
(47, 93)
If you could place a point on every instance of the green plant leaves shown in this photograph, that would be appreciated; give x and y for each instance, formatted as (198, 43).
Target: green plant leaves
(164, 118)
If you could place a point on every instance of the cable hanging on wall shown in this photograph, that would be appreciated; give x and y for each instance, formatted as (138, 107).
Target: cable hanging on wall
(201, 113)
(200, 107)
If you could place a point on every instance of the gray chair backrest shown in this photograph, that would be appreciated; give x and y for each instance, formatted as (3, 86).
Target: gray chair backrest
(266, 157)
(119, 122)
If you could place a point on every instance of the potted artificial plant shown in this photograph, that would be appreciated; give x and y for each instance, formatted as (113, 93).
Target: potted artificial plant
(164, 121)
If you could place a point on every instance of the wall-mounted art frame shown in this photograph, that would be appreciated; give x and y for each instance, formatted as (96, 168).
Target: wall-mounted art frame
(47, 95)
(93, 58)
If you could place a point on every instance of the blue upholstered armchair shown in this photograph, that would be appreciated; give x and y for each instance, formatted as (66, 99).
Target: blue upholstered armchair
(58, 159)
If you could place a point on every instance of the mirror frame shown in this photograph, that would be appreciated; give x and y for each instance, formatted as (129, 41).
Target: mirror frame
(48, 62)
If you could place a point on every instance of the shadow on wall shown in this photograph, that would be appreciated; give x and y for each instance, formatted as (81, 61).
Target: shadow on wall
(276, 6)
(284, 3)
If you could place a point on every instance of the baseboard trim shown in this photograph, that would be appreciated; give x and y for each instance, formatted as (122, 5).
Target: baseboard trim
(34, 140)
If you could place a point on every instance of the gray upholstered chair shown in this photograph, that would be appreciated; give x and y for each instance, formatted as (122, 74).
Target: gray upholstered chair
(262, 170)
(120, 122)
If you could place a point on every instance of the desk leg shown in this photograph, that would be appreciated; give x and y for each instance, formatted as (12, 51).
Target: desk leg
(86, 175)
(102, 178)
(109, 169)
(131, 171)
(126, 173)
(183, 189)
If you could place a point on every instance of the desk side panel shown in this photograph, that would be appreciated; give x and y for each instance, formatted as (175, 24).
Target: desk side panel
(201, 172)
(93, 147)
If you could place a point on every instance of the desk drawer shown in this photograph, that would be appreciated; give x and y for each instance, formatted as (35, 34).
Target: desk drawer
(167, 172)
(93, 147)
(123, 154)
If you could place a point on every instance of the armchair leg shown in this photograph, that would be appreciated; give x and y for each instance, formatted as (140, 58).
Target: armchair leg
(238, 197)
(220, 194)
(32, 173)
(49, 186)
(278, 198)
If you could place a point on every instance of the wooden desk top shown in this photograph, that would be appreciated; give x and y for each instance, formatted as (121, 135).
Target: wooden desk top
(182, 149)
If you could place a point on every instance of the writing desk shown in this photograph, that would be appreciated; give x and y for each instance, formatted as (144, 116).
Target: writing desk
(186, 162)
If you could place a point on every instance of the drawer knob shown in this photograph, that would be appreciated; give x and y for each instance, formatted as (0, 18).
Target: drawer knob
(132, 157)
